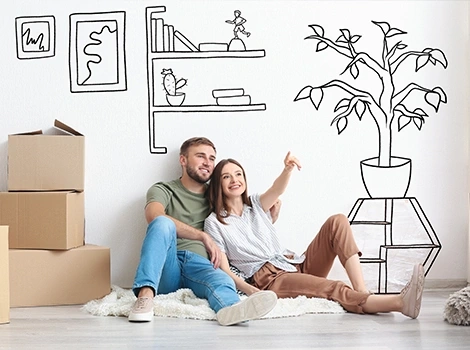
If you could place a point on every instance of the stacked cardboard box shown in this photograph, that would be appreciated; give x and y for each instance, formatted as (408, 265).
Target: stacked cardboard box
(50, 264)
(4, 277)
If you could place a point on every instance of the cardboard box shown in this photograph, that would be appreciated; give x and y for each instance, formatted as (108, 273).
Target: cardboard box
(4, 277)
(51, 277)
(47, 162)
(44, 220)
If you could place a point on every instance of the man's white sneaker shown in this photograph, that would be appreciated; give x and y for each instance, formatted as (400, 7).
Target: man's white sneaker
(255, 306)
(142, 310)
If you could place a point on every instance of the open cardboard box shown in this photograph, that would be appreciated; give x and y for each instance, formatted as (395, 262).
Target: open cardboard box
(47, 162)
(44, 220)
(52, 277)
(4, 277)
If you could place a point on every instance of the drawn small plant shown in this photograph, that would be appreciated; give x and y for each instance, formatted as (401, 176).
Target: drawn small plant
(170, 83)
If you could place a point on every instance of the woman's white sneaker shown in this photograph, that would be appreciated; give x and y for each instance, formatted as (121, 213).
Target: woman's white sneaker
(255, 306)
(413, 293)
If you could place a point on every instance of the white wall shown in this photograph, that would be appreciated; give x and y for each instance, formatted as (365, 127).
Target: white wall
(120, 168)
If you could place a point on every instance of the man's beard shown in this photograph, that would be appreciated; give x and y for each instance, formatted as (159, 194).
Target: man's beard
(192, 173)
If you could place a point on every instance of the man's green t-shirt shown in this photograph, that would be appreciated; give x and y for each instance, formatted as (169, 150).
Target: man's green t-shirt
(183, 205)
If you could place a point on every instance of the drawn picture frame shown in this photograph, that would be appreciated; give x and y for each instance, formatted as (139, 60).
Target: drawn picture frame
(97, 57)
(35, 37)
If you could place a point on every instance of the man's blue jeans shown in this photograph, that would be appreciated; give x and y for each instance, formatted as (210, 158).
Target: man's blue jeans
(166, 269)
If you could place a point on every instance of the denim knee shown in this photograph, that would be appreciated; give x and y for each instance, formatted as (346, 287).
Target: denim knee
(162, 225)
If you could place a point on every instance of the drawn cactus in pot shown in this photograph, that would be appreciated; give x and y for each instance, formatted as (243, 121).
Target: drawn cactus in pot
(172, 85)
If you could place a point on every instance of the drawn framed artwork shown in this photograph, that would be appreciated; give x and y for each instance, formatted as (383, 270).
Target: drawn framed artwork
(35, 37)
(97, 57)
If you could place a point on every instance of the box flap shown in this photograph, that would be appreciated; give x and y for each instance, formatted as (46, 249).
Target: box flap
(37, 132)
(58, 124)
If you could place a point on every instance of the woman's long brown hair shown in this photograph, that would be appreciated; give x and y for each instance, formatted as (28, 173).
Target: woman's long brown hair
(217, 199)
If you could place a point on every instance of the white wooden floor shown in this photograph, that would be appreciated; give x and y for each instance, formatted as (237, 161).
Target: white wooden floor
(67, 327)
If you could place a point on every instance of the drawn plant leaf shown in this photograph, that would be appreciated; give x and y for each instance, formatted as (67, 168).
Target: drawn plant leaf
(341, 39)
(316, 96)
(317, 29)
(433, 99)
(418, 122)
(341, 124)
(322, 45)
(403, 121)
(439, 56)
(346, 34)
(393, 32)
(304, 93)
(420, 112)
(343, 103)
(360, 108)
(441, 93)
(354, 71)
(402, 46)
(355, 38)
(383, 25)
(421, 61)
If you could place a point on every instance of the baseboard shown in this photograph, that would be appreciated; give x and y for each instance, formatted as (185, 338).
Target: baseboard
(444, 284)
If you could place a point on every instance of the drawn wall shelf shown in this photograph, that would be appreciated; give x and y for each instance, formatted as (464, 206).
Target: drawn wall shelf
(165, 49)
(393, 238)
(210, 108)
(209, 54)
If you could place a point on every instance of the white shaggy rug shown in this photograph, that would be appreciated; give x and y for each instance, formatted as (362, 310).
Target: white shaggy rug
(457, 309)
(184, 304)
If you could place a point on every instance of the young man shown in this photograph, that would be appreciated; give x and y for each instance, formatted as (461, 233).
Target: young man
(175, 252)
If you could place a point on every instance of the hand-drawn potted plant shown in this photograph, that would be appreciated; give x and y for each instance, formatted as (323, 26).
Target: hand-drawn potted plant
(386, 107)
(171, 85)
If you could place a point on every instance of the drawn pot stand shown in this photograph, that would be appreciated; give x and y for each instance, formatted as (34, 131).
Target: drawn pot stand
(386, 181)
(401, 222)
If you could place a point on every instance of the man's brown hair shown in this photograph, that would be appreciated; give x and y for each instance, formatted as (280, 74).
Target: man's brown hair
(195, 141)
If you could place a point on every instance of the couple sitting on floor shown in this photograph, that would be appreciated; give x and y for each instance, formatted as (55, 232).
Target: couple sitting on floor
(197, 230)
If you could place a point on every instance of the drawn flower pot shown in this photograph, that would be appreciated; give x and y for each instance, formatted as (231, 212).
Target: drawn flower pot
(386, 181)
(176, 100)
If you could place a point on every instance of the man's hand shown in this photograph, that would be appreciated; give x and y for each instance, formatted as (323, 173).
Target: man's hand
(275, 209)
(213, 250)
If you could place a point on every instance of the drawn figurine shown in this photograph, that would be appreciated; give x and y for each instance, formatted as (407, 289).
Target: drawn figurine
(238, 21)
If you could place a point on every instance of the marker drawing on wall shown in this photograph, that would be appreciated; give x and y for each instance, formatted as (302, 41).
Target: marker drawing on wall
(391, 105)
(165, 41)
(385, 177)
(236, 43)
(35, 37)
(97, 57)
(172, 85)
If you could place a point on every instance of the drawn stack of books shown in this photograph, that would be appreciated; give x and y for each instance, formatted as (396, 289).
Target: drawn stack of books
(231, 97)
(163, 37)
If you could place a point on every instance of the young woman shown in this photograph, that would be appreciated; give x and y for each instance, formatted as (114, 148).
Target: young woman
(242, 227)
